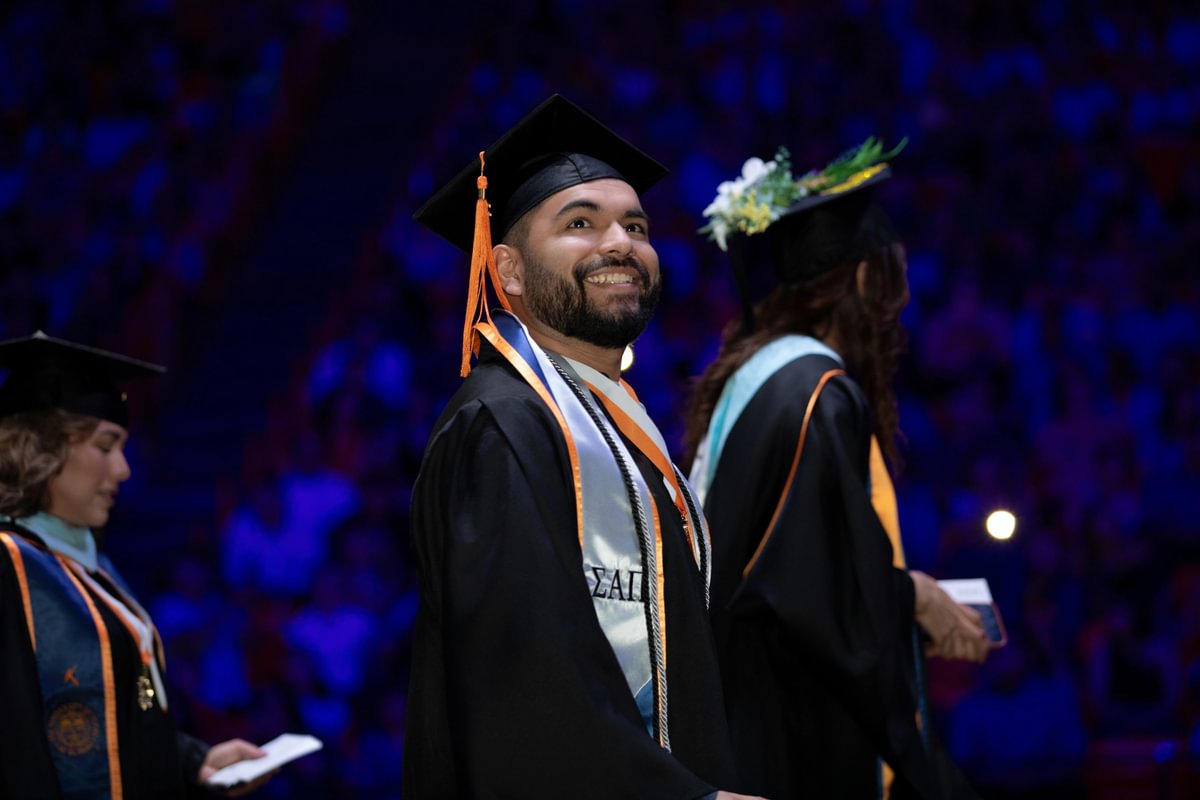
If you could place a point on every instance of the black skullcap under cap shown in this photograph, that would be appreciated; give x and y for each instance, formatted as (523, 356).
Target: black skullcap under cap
(556, 146)
(47, 373)
(823, 231)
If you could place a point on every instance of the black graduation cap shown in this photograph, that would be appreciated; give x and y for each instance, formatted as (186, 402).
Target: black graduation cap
(48, 373)
(556, 146)
(831, 227)
(836, 221)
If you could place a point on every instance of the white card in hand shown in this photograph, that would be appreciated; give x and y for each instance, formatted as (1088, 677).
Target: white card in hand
(969, 591)
(976, 593)
(280, 750)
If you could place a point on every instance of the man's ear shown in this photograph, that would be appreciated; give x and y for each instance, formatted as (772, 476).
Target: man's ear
(511, 268)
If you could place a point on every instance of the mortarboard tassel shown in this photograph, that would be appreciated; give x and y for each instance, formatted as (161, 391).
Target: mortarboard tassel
(482, 262)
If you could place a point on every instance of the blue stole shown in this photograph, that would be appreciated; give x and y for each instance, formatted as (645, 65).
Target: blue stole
(74, 664)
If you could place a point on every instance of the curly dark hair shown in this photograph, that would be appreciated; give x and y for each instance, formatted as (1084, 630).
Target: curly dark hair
(868, 329)
(33, 449)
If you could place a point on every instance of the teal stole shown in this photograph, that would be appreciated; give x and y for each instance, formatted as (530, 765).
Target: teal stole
(737, 393)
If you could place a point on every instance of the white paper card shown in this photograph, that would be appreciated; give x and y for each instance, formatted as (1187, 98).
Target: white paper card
(280, 750)
(968, 591)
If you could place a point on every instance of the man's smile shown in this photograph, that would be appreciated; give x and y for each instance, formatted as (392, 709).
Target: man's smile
(609, 276)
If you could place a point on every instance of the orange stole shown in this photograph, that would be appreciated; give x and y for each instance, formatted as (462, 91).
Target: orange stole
(883, 498)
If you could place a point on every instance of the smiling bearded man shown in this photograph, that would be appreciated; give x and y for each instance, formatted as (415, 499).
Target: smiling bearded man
(564, 305)
(561, 555)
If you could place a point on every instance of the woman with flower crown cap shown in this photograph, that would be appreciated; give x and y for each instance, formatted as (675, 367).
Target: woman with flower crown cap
(815, 615)
(81, 679)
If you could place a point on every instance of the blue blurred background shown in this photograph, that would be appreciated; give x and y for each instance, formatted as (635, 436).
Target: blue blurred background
(226, 188)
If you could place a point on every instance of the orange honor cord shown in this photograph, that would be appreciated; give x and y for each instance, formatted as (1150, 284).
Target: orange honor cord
(634, 433)
(493, 336)
(162, 654)
(787, 487)
(125, 608)
(483, 269)
(18, 565)
(110, 688)
(18, 562)
(122, 614)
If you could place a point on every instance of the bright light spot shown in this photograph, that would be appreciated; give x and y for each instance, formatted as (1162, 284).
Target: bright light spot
(627, 358)
(1001, 524)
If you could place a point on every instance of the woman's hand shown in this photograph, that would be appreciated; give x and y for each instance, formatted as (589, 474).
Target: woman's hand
(956, 630)
(231, 752)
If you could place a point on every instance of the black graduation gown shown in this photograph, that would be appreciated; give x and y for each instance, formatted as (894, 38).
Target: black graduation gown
(816, 642)
(515, 691)
(154, 756)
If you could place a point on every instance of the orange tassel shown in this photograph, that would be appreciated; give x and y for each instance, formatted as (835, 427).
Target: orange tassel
(483, 263)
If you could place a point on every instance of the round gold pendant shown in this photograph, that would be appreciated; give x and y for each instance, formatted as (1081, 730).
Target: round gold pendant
(145, 691)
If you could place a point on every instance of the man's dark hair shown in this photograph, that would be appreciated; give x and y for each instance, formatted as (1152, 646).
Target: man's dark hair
(518, 234)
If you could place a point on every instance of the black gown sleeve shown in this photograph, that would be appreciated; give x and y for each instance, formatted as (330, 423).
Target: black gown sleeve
(515, 690)
(192, 752)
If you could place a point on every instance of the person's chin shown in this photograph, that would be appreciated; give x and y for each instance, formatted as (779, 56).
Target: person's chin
(614, 299)
(619, 309)
(615, 290)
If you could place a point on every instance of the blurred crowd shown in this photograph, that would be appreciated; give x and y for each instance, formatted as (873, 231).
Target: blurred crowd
(1048, 199)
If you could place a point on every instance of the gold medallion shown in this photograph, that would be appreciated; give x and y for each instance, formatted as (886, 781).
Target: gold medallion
(145, 690)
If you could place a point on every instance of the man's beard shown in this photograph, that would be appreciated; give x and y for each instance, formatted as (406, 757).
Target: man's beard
(563, 304)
